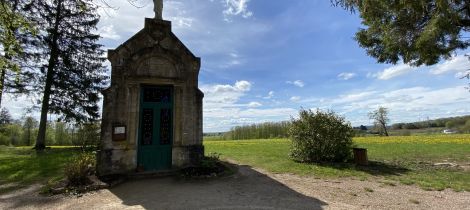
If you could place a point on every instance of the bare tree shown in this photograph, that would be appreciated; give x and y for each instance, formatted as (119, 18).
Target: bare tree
(380, 117)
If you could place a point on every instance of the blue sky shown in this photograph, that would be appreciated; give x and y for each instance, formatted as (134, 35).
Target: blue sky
(263, 60)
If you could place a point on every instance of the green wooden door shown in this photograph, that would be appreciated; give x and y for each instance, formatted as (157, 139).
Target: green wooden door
(156, 128)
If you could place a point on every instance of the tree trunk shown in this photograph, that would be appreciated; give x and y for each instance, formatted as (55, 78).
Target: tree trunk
(41, 139)
(29, 136)
(385, 129)
(2, 84)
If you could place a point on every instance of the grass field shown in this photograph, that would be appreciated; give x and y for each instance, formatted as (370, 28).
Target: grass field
(409, 160)
(22, 166)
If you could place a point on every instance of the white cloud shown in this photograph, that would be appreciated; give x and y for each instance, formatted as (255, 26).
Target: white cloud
(393, 71)
(346, 76)
(295, 98)
(458, 64)
(234, 55)
(123, 19)
(236, 7)
(126, 18)
(224, 107)
(232, 60)
(220, 95)
(254, 104)
(18, 106)
(463, 74)
(405, 105)
(353, 97)
(176, 12)
(285, 113)
(298, 83)
(108, 32)
(236, 116)
(243, 85)
(270, 95)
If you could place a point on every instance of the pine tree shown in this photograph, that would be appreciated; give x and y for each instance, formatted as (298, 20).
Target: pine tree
(29, 126)
(73, 74)
(5, 117)
(17, 39)
(417, 32)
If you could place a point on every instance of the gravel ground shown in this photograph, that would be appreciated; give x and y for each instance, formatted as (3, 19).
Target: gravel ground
(247, 189)
(373, 194)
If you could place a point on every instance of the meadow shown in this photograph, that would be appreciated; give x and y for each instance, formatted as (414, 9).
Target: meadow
(22, 166)
(399, 159)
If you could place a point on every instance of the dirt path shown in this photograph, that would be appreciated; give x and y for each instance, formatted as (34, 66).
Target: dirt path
(248, 189)
(355, 194)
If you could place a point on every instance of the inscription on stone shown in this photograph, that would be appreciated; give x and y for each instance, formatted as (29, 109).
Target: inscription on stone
(119, 133)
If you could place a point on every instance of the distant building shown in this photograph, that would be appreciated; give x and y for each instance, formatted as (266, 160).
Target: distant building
(449, 131)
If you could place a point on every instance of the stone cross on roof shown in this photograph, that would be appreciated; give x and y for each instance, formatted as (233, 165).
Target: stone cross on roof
(158, 8)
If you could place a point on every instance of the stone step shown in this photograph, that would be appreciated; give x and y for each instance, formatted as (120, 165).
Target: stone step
(152, 174)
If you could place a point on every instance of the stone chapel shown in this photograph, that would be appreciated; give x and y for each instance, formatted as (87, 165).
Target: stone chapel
(152, 112)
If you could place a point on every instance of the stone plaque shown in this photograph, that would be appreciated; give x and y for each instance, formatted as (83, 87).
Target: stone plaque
(119, 133)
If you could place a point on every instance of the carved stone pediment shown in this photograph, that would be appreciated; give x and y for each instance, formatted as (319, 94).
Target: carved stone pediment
(155, 52)
(156, 67)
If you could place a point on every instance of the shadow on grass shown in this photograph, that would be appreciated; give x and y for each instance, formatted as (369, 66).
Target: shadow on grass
(374, 168)
(383, 169)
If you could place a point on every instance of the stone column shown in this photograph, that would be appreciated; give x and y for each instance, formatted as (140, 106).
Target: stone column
(133, 115)
(178, 116)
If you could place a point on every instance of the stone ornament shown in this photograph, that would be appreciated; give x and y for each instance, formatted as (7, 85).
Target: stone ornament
(158, 8)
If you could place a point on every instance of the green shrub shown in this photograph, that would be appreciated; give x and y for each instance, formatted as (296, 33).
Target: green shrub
(210, 161)
(209, 166)
(78, 170)
(320, 137)
(88, 136)
(4, 140)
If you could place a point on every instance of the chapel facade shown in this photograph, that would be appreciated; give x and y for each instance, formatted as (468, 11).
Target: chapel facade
(152, 112)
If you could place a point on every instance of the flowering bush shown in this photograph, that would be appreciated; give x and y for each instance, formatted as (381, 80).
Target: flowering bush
(78, 170)
(320, 137)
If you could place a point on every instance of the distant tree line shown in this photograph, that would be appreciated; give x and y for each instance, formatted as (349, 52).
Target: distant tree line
(266, 130)
(23, 132)
(271, 130)
(461, 124)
